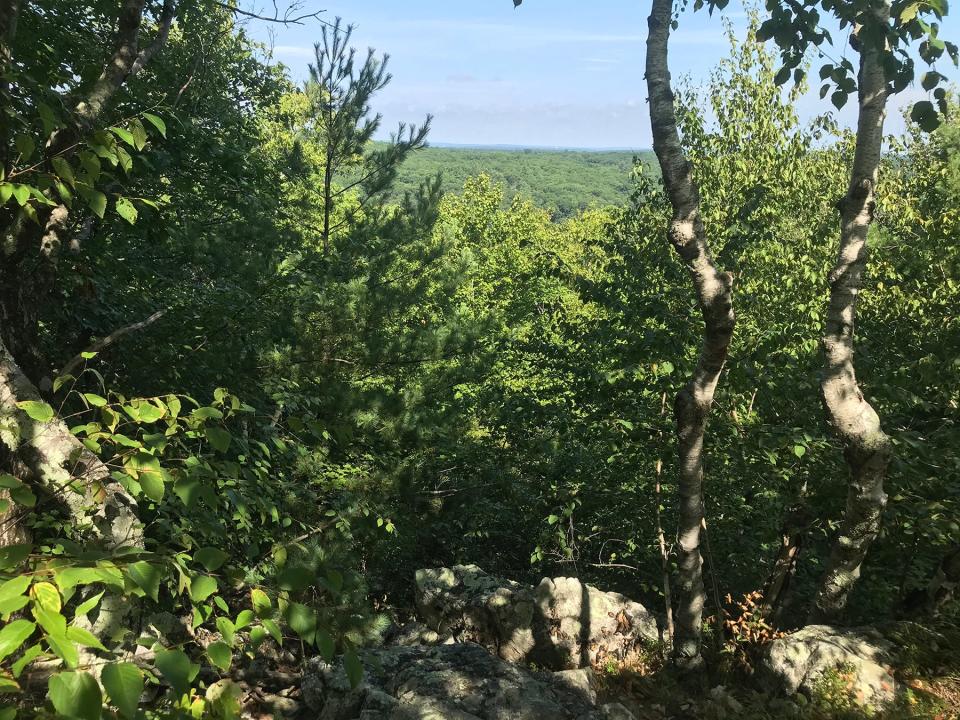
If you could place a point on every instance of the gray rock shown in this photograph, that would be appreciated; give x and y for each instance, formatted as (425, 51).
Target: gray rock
(448, 682)
(615, 711)
(560, 624)
(415, 633)
(585, 624)
(582, 680)
(796, 662)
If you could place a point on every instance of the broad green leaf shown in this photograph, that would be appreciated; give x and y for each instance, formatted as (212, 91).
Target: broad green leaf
(139, 134)
(97, 202)
(25, 145)
(351, 663)
(63, 170)
(52, 622)
(147, 576)
(295, 578)
(64, 648)
(176, 669)
(227, 630)
(23, 496)
(37, 410)
(157, 122)
(207, 413)
(95, 400)
(28, 656)
(153, 486)
(261, 603)
(257, 635)
(14, 587)
(46, 596)
(210, 557)
(223, 699)
(13, 635)
(84, 637)
(12, 605)
(924, 114)
(13, 555)
(218, 437)
(325, 644)
(21, 194)
(127, 210)
(9, 685)
(273, 629)
(76, 695)
(124, 684)
(202, 587)
(302, 620)
(220, 654)
(87, 605)
(124, 135)
(244, 618)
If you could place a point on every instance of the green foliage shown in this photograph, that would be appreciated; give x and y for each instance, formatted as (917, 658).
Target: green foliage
(562, 181)
(480, 369)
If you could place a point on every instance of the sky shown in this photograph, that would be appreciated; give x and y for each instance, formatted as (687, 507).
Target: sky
(551, 73)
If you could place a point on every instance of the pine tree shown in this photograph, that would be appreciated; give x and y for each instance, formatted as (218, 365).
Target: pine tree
(340, 103)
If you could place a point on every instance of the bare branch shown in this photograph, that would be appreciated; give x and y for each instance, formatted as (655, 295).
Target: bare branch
(110, 339)
(288, 17)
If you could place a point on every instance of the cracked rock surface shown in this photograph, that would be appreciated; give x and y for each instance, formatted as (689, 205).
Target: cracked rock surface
(449, 682)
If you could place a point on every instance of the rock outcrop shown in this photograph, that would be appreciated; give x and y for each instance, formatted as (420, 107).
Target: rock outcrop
(796, 662)
(450, 682)
(560, 624)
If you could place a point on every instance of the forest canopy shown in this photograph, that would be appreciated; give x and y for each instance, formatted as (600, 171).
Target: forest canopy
(260, 365)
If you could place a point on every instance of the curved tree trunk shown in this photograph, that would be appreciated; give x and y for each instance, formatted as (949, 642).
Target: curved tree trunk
(867, 448)
(714, 291)
(64, 471)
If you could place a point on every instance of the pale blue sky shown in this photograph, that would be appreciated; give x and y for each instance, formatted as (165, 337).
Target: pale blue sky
(550, 73)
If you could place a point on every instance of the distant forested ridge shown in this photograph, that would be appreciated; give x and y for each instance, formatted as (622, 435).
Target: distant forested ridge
(563, 181)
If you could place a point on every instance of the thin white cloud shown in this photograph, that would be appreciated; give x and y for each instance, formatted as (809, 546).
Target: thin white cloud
(297, 51)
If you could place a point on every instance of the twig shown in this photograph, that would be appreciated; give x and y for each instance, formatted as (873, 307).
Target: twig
(110, 339)
(287, 19)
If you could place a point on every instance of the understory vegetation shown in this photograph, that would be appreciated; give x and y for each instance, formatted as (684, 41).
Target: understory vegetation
(256, 369)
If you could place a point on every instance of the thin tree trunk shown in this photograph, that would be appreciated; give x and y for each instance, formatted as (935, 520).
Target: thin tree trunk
(945, 581)
(714, 292)
(9, 11)
(327, 195)
(777, 587)
(867, 448)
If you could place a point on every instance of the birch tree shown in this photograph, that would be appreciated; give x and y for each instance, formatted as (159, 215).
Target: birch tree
(881, 33)
(714, 292)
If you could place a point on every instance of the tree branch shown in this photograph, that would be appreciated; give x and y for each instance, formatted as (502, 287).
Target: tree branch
(287, 19)
(106, 342)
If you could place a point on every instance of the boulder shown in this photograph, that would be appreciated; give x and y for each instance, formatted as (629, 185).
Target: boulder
(466, 603)
(560, 624)
(584, 625)
(447, 682)
(798, 660)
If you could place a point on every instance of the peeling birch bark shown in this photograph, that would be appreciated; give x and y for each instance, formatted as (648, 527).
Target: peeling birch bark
(52, 459)
(714, 292)
(867, 448)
